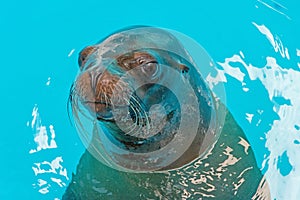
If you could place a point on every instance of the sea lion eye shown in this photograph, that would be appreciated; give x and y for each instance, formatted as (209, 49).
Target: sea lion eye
(150, 69)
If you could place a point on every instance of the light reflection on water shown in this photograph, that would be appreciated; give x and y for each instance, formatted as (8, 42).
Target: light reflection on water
(281, 81)
(49, 173)
(281, 163)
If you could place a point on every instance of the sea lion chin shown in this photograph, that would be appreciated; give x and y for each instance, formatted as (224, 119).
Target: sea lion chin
(152, 128)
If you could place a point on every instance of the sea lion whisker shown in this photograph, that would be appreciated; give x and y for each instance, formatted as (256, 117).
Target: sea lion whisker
(132, 128)
(76, 109)
(94, 79)
(97, 102)
(98, 94)
(101, 97)
(121, 91)
(143, 113)
(118, 86)
(114, 98)
(139, 113)
(106, 99)
(132, 107)
(74, 99)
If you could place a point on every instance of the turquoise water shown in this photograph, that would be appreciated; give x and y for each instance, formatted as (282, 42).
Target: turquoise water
(40, 42)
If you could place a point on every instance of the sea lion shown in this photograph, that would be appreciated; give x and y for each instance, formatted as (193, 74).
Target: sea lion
(152, 127)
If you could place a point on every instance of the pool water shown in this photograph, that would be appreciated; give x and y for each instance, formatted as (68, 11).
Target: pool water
(255, 45)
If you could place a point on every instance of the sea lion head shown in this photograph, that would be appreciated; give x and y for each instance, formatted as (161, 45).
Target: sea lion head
(149, 108)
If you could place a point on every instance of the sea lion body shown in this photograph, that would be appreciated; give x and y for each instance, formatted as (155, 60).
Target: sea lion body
(141, 162)
(228, 171)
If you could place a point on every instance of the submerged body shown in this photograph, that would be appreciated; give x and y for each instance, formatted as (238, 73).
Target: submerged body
(228, 171)
(157, 131)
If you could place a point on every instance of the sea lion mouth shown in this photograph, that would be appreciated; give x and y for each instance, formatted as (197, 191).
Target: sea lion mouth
(105, 114)
(109, 112)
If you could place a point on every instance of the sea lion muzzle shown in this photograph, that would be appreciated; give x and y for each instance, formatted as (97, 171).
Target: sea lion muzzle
(99, 96)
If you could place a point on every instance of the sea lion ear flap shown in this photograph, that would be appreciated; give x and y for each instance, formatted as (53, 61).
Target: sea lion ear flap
(175, 63)
(183, 68)
(179, 66)
(87, 51)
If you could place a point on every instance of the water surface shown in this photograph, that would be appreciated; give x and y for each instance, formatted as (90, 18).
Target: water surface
(255, 45)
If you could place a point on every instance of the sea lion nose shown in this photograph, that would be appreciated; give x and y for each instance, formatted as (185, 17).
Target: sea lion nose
(94, 79)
